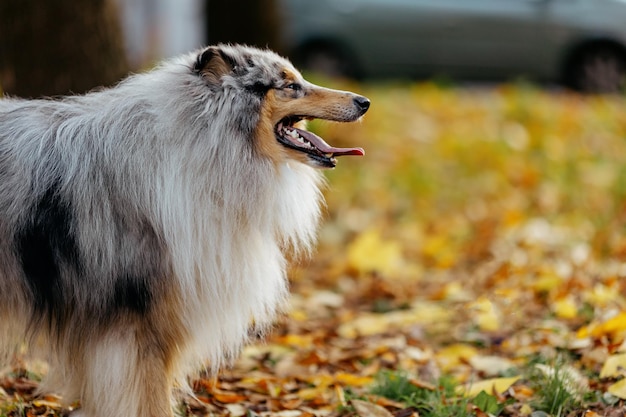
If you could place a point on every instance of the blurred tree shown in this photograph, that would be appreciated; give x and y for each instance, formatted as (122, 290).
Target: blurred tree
(57, 47)
(253, 22)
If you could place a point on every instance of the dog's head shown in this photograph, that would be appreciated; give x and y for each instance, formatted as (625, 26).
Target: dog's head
(281, 100)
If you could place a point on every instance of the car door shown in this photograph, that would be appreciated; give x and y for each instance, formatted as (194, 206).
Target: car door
(493, 38)
(457, 37)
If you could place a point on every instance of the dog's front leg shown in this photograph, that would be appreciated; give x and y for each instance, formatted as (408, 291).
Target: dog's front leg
(127, 374)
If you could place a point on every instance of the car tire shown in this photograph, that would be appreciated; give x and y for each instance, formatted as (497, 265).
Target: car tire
(599, 69)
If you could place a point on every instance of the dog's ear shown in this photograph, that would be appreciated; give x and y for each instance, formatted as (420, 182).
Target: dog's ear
(212, 64)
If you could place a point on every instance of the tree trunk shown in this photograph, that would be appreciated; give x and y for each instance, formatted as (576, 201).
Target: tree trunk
(252, 22)
(59, 47)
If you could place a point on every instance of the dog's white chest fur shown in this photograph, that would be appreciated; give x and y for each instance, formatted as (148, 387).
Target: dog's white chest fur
(241, 264)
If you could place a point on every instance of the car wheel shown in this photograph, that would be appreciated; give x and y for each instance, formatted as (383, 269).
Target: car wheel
(600, 70)
(327, 60)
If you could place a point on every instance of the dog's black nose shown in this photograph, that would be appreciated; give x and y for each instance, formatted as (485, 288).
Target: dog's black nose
(363, 103)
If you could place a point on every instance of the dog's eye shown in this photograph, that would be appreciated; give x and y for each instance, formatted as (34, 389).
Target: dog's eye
(294, 87)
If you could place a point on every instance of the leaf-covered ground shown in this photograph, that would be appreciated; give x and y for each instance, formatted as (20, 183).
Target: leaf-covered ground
(471, 264)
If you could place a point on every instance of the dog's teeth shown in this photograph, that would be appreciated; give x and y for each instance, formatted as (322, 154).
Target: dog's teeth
(328, 155)
(292, 133)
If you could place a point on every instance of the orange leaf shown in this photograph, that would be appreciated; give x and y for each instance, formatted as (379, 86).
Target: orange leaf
(228, 397)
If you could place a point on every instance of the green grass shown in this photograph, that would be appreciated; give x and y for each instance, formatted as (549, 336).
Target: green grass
(559, 390)
(557, 386)
(442, 401)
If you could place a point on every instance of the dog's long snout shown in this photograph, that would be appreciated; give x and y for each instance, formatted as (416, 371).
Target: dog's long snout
(362, 103)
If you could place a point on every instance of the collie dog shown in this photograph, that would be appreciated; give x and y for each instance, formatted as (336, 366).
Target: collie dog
(143, 228)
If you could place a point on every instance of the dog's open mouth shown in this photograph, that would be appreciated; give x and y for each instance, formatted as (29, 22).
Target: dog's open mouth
(315, 147)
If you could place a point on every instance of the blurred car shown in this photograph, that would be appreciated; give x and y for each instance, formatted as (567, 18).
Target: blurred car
(579, 43)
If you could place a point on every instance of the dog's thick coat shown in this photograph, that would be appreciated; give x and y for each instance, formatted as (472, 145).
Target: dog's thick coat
(142, 227)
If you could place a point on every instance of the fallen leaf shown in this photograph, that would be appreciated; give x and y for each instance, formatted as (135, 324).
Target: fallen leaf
(228, 397)
(610, 327)
(547, 281)
(45, 403)
(618, 389)
(601, 295)
(370, 253)
(366, 325)
(497, 385)
(369, 324)
(236, 410)
(614, 366)
(352, 380)
(312, 393)
(453, 355)
(565, 307)
(490, 365)
(525, 410)
(366, 409)
(287, 413)
(485, 314)
(384, 402)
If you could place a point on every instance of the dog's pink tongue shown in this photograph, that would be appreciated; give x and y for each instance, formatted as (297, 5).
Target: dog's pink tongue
(324, 147)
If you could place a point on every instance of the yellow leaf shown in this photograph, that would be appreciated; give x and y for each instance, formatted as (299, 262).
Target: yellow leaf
(485, 314)
(308, 394)
(614, 324)
(618, 389)
(44, 403)
(513, 217)
(453, 355)
(601, 295)
(298, 315)
(321, 380)
(439, 248)
(612, 327)
(525, 410)
(584, 332)
(547, 281)
(497, 385)
(369, 252)
(614, 366)
(372, 324)
(366, 325)
(456, 292)
(297, 340)
(565, 308)
(353, 380)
